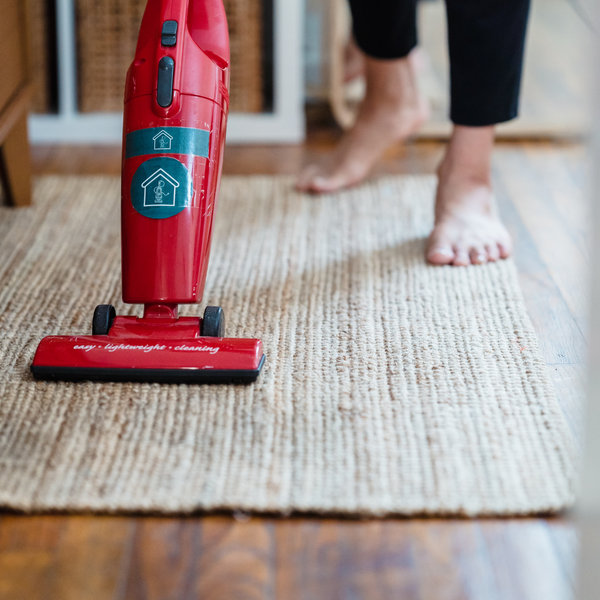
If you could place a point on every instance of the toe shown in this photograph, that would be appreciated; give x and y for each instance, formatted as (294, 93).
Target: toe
(305, 179)
(478, 255)
(440, 255)
(505, 249)
(461, 258)
(313, 182)
(322, 184)
(493, 252)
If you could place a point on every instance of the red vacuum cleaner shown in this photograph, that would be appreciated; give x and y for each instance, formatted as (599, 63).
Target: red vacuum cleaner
(176, 105)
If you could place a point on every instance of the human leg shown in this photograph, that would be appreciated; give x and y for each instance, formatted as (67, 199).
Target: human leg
(486, 42)
(393, 108)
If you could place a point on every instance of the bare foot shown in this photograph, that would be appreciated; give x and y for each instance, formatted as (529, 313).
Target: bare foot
(467, 229)
(393, 109)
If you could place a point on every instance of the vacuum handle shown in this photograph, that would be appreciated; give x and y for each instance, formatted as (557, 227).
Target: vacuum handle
(207, 24)
(183, 49)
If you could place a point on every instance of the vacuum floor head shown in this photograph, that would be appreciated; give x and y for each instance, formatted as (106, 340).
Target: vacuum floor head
(146, 349)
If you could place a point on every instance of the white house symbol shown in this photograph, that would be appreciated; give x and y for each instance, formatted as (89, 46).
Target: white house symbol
(162, 193)
(162, 140)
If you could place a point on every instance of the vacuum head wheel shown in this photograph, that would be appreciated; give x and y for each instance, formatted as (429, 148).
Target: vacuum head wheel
(213, 323)
(103, 318)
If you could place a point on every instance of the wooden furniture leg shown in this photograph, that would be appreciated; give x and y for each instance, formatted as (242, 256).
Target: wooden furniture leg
(15, 164)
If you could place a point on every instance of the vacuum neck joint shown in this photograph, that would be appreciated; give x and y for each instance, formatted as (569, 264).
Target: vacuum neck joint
(162, 312)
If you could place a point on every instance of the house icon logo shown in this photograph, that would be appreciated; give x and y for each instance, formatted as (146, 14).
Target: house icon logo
(160, 189)
(162, 140)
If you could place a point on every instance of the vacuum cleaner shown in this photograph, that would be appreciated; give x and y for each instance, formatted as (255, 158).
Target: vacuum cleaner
(176, 105)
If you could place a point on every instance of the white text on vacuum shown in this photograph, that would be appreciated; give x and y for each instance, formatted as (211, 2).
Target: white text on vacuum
(146, 348)
(210, 349)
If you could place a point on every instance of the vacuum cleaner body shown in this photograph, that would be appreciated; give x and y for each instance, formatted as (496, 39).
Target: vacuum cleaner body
(176, 105)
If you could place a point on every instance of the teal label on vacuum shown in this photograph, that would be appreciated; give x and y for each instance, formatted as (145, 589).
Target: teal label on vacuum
(167, 140)
(161, 188)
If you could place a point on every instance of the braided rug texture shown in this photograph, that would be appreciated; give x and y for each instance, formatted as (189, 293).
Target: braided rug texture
(390, 386)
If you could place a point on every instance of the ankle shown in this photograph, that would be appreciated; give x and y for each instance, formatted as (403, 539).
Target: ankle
(468, 158)
(453, 172)
(391, 83)
(463, 193)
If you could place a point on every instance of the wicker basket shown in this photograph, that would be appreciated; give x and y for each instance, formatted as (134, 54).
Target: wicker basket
(245, 38)
(107, 33)
(106, 38)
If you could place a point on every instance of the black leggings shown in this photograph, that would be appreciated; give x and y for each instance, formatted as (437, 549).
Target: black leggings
(486, 39)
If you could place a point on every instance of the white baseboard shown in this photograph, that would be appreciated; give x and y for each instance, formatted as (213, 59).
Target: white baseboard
(106, 128)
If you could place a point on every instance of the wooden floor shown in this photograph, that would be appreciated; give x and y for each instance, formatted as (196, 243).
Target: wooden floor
(221, 557)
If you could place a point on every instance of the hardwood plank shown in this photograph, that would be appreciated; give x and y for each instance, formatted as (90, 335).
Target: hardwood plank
(308, 559)
(378, 560)
(210, 558)
(561, 339)
(235, 560)
(267, 160)
(62, 557)
(88, 562)
(39, 533)
(561, 170)
(565, 537)
(552, 209)
(76, 160)
(570, 384)
(477, 571)
(327, 558)
(438, 570)
(163, 559)
(525, 560)
(27, 550)
(25, 574)
(544, 206)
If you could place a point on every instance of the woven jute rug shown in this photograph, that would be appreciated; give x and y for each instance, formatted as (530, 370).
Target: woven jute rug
(390, 386)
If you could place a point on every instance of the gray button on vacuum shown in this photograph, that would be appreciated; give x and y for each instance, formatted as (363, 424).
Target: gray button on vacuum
(169, 33)
(164, 88)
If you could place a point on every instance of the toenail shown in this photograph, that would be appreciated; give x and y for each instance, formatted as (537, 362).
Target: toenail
(443, 251)
(481, 258)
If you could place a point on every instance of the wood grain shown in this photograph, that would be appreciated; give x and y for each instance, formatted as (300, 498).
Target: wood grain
(13, 44)
(15, 163)
(15, 93)
(217, 557)
(561, 336)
